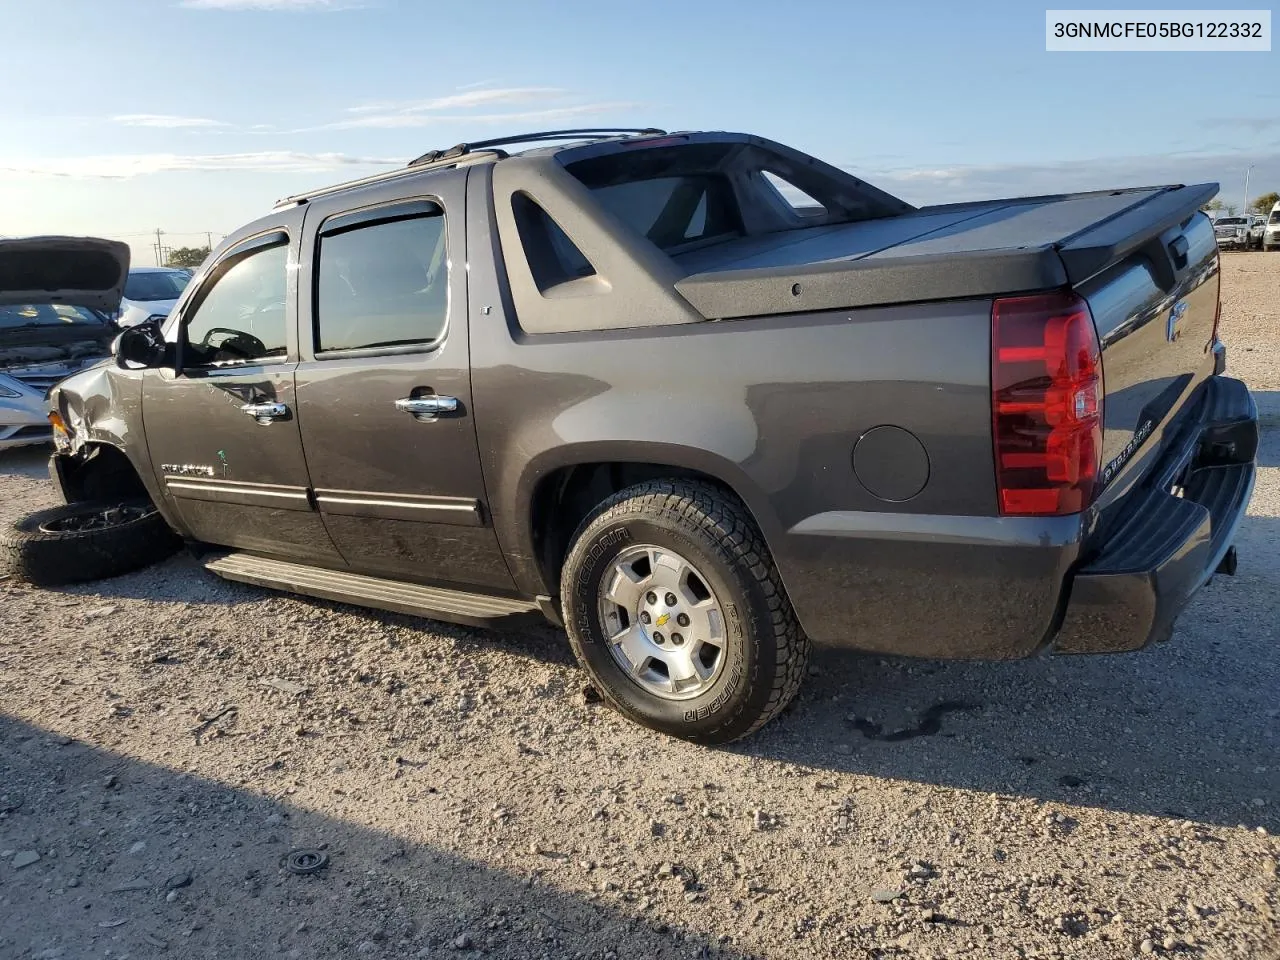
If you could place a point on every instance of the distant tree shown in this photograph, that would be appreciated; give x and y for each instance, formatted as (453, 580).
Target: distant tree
(1230, 210)
(1213, 207)
(186, 257)
(1264, 203)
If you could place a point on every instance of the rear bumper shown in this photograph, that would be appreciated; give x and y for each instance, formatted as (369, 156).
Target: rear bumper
(998, 588)
(1165, 547)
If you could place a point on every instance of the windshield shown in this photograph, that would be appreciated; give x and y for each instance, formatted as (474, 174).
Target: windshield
(155, 286)
(1275, 217)
(1231, 221)
(46, 315)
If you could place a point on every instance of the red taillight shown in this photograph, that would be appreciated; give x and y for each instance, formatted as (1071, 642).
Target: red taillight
(1046, 404)
(1217, 318)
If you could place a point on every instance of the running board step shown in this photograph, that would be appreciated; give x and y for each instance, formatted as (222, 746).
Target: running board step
(454, 606)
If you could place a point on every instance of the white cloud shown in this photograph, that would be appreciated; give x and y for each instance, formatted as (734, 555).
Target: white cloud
(462, 101)
(1252, 124)
(164, 120)
(125, 166)
(961, 182)
(286, 5)
(403, 120)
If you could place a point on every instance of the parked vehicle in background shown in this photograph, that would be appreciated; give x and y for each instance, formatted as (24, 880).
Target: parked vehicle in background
(626, 385)
(1237, 233)
(1271, 234)
(150, 293)
(47, 332)
(1257, 229)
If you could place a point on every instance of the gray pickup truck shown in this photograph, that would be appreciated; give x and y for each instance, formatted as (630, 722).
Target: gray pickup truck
(698, 397)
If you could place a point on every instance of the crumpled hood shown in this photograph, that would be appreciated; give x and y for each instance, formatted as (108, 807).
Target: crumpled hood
(82, 271)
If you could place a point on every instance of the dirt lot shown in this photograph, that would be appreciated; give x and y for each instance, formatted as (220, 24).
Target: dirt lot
(166, 738)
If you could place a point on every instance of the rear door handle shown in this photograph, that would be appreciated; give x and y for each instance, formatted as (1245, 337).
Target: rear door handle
(427, 407)
(266, 413)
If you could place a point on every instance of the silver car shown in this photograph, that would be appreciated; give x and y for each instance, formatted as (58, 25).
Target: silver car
(55, 298)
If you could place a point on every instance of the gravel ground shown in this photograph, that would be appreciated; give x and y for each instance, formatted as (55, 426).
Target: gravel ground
(166, 738)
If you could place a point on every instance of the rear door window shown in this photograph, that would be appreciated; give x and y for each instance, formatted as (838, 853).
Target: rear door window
(382, 283)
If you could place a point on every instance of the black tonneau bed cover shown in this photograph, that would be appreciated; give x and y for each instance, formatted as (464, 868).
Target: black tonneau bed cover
(948, 252)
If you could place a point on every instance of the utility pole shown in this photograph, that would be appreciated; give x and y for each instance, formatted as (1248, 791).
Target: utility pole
(208, 239)
(159, 249)
(1245, 208)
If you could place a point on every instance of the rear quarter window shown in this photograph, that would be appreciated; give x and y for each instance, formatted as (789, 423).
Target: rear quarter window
(671, 211)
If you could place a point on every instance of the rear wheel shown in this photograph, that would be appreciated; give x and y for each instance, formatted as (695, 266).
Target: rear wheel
(88, 540)
(676, 612)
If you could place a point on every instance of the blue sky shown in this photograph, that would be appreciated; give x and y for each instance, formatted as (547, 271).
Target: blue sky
(195, 115)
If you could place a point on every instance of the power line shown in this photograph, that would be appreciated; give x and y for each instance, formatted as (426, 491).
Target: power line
(171, 233)
(162, 243)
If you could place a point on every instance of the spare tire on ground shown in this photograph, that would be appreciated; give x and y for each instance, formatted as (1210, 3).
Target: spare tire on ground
(84, 541)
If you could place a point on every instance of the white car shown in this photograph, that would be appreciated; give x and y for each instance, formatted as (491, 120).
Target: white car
(1271, 239)
(151, 292)
(51, 323)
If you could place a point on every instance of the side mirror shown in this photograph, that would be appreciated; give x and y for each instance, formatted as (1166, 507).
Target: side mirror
(140, 346)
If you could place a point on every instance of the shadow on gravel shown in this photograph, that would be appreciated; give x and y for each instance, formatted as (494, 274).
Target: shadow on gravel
(112, 833)
(30, 462)
(1187, 729)
(181, 580)
(1268, 402)
(545, 644)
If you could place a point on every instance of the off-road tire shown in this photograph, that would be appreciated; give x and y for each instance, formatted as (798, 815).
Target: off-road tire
(767, 651)
(52, 557)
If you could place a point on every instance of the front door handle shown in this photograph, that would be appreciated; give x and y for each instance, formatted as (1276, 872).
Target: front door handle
(266, 413)
(427, 407)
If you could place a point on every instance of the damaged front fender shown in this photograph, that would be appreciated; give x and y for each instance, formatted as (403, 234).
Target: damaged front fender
(102, 449)
(101, 405)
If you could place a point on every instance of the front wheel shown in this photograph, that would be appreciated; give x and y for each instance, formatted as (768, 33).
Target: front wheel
(86, 541)
(676, 612)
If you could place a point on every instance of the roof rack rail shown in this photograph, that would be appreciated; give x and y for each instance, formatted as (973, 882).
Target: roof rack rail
(592, 133)
(467, 153)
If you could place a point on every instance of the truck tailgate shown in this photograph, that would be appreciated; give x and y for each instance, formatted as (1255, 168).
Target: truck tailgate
(1155, 314)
